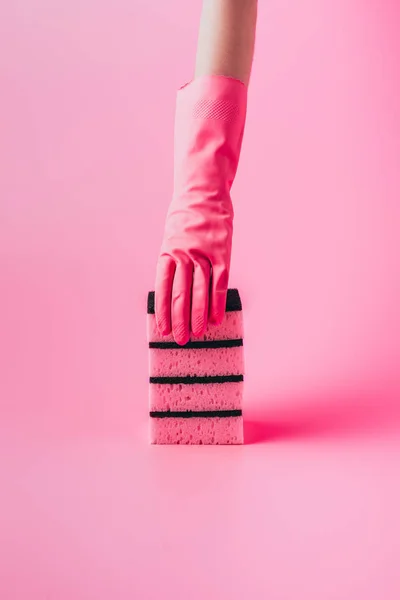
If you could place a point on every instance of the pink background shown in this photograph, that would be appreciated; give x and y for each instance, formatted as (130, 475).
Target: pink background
(309, 508)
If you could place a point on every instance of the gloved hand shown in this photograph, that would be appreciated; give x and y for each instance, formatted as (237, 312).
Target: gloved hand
(193, 266)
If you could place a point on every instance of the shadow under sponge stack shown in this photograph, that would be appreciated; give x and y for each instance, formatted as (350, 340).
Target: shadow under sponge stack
(196, 390)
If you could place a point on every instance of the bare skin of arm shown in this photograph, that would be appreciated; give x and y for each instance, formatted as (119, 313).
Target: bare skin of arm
(226, 38)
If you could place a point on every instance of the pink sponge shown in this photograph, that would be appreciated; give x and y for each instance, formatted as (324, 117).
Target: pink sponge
(196, 390)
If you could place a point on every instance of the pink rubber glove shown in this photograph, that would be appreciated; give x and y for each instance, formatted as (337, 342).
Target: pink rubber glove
(193, 267)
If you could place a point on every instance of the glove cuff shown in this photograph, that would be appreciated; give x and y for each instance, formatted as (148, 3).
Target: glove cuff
(209, 125)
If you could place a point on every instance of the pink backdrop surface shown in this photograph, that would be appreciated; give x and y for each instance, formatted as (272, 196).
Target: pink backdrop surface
(309, 507)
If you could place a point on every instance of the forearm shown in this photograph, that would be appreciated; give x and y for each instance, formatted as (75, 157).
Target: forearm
(193, 267)
(226, 38)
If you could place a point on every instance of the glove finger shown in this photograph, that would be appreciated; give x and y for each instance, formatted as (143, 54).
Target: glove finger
(219, 288)
(200, 296)
(181, 293)
(163, 292)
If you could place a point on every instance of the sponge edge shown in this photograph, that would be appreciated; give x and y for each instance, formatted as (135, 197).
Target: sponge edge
(216, 430)
(196, 391)
(196, 361)
(196, 397)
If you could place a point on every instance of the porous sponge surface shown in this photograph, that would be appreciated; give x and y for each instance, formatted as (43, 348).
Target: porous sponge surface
(200, 362)
(230, 329)
(198, 396)
(228, 430)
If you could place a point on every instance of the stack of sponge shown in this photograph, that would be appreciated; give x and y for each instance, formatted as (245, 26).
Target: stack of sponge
(196, 390)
